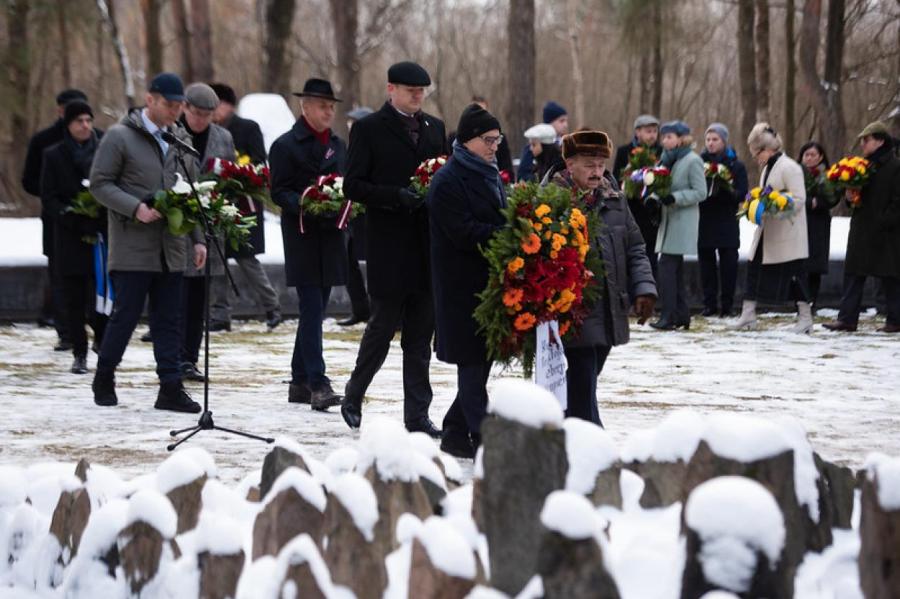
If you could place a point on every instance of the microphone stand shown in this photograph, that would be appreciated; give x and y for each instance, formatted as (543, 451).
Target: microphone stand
(206, 418)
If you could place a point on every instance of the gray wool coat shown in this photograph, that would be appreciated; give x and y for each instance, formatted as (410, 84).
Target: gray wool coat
(626, 267)
(219, 145)
(679, 223)
(128, 168)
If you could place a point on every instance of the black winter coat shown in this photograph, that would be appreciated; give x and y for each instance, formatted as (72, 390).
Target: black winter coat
(382, 158)
(641, 215)
(818, 221)
(718, 213)
(60, 182)
(873, 246)
(464, 214)
(317, 257)
(248, 139)
(31, 175)
(625, 263)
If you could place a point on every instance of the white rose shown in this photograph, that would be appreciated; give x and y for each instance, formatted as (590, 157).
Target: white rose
(86, 183)
(649, 178)
(339, 184)
(229, 210)
(205, 186)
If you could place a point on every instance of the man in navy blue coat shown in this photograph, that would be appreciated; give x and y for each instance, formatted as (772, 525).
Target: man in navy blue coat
(464, 203)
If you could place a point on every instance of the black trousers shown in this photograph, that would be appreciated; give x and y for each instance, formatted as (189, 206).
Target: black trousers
(470, 404)
(672, 292)
(356, 285)
(190, 322)
(131, 289)
(415, 314)
(851, 301)
(79, 293)
(712, 274)
(55, 301)
(585, 365)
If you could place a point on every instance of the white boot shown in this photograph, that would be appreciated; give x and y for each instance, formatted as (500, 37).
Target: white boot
(747, 321)
(804, 319)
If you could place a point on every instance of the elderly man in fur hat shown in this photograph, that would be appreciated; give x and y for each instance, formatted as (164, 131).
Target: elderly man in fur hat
(626, 267)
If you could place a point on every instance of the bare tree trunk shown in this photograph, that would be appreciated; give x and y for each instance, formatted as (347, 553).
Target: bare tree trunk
(763, 70)
(345, 19)
(645, 82)
(279, 22)
(823, 93)
(18, 67)
(106, 8)
(202, 51)
(574, 27)
(790, 90)
(520, 67)
(65, 51)
(656, 107)
(183, 38)
(834, 63)
(151, 10)
(747, 65)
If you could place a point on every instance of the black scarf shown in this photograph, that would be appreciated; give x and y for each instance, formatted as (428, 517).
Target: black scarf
(486, 169)
(770, 164)
(82, 153)
(199, 139)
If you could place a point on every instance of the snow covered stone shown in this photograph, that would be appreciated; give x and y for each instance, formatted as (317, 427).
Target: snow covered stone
(735, 541)
(302, 573)
(286, 454)
(182, 478)
(594, 468)
(294, 506)
(145, 544)
(570, 561)
(526, 403)
(70, 518)
(351, 554)
(879, 529)
(220, 555)
(442, 565)
(522, 464)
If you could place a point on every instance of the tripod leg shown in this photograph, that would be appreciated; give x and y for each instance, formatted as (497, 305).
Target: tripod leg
(242, 434)
(172, 447)
(184, 430)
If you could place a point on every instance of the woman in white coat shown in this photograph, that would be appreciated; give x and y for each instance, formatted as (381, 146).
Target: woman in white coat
(776, 272)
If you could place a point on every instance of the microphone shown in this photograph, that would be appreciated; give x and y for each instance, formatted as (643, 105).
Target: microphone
(170, 139)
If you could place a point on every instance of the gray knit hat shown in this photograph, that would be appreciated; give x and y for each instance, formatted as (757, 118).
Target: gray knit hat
(719, 129)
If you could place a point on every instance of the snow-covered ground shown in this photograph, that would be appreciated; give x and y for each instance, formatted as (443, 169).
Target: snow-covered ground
(20, 241)
(842, 387)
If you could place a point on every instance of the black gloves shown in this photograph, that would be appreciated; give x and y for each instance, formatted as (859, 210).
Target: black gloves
(668, 200)
(409, 199)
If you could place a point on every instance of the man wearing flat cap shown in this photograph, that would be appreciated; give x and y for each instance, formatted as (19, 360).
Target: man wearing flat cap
(626, 267)
(873, 245)
(211, 141)
(132, 163)
(315, 257)
(385, 150)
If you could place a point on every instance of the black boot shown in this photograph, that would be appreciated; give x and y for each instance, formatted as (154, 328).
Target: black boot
(273, 319)
(458, 445)
(424, 425)
(354, 319)
(174, 398)
(79, 366)
(322, 397)
(299, 393)
(189, 372)
(351, 410)
(104, 388)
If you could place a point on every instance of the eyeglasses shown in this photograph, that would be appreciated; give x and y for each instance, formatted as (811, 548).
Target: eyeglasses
(491, 140)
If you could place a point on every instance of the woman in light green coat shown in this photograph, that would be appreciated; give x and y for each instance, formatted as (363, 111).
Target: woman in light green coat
(679, 222)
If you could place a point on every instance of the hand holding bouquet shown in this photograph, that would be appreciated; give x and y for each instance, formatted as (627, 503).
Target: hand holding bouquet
(640, 158)
(720, 177)
(421, 179)
(850, 175)
(325, 199)
(761, 201)
(84, 203)
(240, 181)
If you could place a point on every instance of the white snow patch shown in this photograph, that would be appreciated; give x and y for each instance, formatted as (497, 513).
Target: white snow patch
(569, 514)
(356, 495)
(13, 486)
(155, 509)
(676, 438)
(632, 486)
(342, 460)
(299, 480)
(452, 470)
(303, 550)
(271, 113)
(533, 590)
(734, 517)
(526, 403)
(719, 595)
(408, 528)
(478, 469)
(590, 451)
(447, 549)
(885, 472)
(482, 592)
(183, 467)
(219, 534)
(102, 529)
(744, 438)
(385, 443)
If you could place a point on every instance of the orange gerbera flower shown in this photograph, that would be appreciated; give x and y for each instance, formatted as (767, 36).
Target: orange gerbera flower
(531, 244)
(515, 265)
(524, 321)
(512, 296)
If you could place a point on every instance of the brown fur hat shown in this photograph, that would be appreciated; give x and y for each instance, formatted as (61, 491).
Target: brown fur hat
(587, 143)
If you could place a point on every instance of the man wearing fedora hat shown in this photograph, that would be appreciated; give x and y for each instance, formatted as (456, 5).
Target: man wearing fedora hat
(315, 257)
(627, 270)
(385, 150)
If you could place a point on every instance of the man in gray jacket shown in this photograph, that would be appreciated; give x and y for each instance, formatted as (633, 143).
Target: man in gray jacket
(625, 264)
(132, 163)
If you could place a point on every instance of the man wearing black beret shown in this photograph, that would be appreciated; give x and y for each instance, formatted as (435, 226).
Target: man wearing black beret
(385, 149)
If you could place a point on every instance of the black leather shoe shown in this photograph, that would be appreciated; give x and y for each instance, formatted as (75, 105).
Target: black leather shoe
(424, 425)
(189, 372)
(147, 337)
(352, 412)
(354, 319)
(323, 397)
(173, 397)
(299, 393)
(79, 366)
(104, 388)
(840, 325)
(665, 325)
(273, 319)
(63, 345)
(458, 445)
(219, 325)
(707, 312)
(726, 313)
(890, 328)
